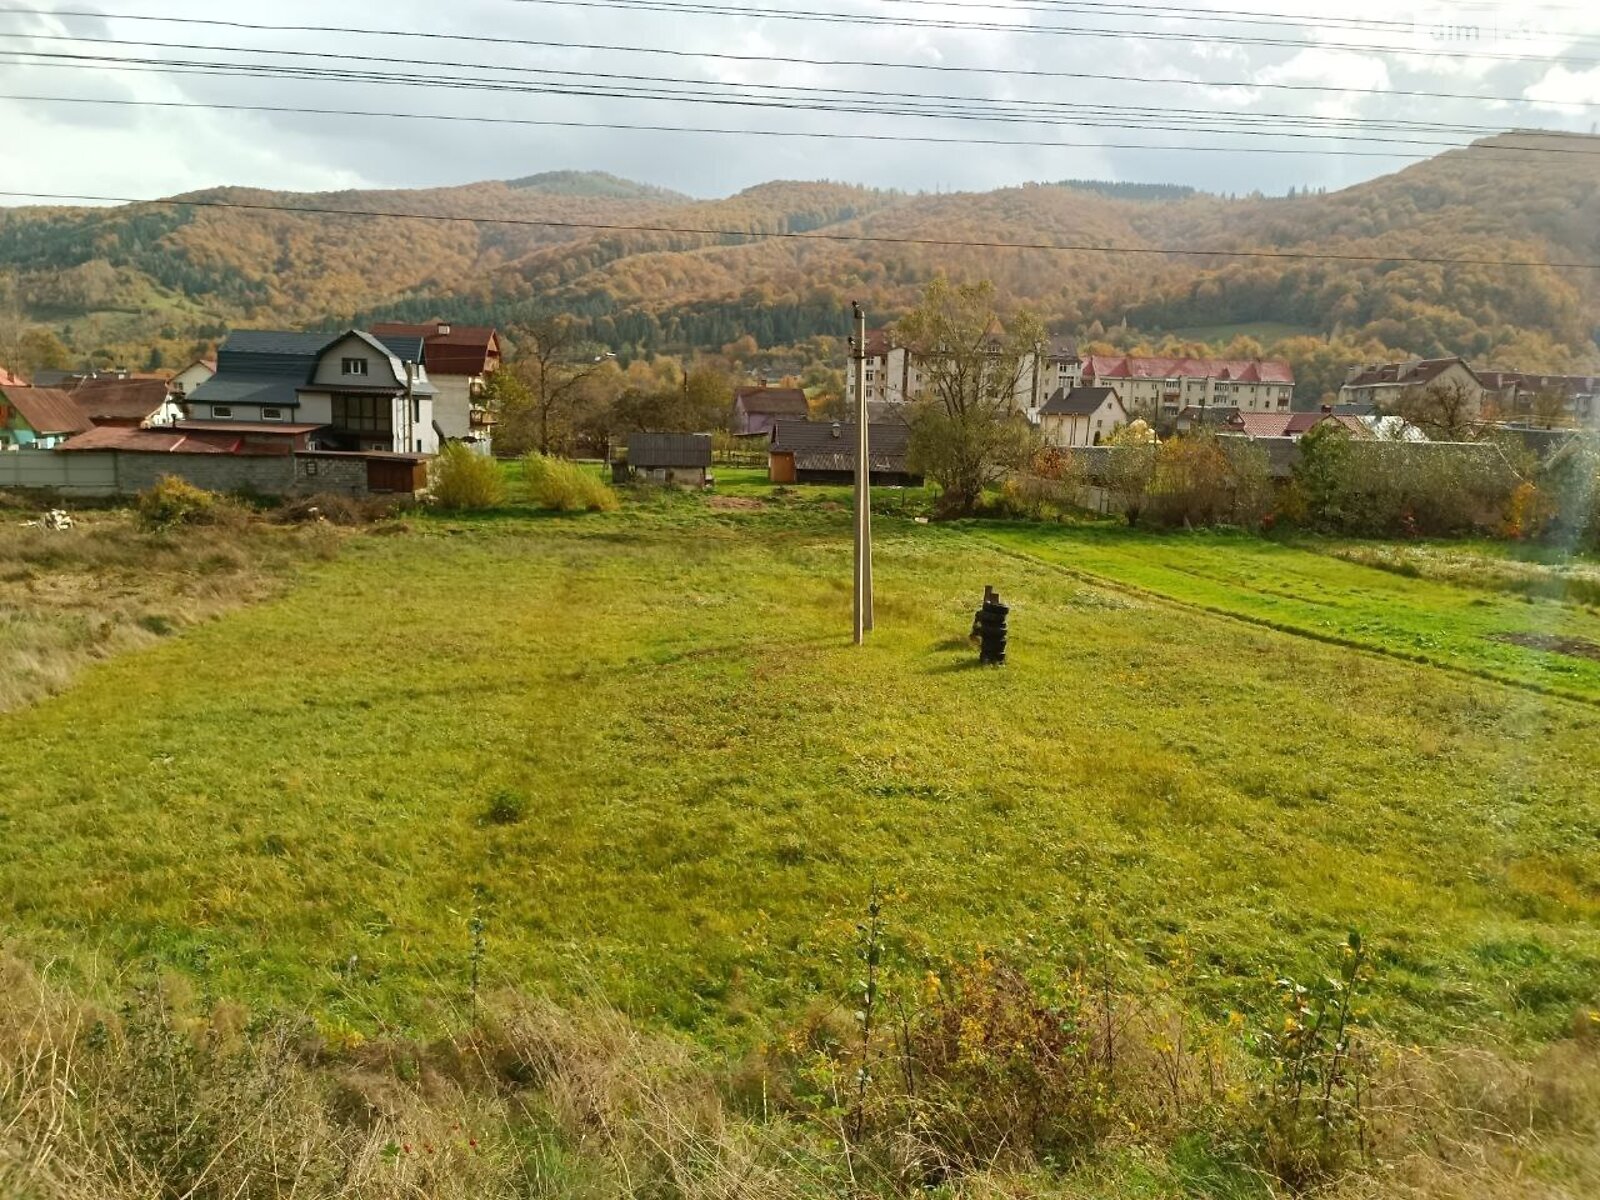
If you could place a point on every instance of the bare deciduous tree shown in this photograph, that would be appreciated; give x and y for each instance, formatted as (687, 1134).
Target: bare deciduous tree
(965, 433)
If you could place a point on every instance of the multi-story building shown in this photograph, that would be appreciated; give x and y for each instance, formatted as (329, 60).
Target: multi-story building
(1163, 387)
(1522, 394)
(348, 391)
(459, 359)
(897, 374)
(1381, 385)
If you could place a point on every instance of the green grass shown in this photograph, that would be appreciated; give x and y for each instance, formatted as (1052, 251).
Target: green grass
(295, 804)
(1295, 587)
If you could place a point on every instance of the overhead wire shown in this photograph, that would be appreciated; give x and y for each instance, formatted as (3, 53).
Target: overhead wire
(708, 8)
(1010, 102)
(1198, 123)
(786, 59)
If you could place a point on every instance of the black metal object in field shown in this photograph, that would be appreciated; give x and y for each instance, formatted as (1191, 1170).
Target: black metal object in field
(989, 627)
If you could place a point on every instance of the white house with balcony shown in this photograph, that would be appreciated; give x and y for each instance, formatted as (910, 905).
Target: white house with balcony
(362, 393)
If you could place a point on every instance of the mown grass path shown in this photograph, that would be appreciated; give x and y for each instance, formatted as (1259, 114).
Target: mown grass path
(1294, 589)
(289, 804)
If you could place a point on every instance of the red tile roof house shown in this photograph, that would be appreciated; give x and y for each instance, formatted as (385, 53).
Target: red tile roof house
(38, 418)
(1292, 425)
(459, 360)
(756, 410)
(1163, 387)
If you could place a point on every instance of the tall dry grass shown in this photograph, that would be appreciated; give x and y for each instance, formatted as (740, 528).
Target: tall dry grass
(163, 1096)
(564, 486)
(69, 598)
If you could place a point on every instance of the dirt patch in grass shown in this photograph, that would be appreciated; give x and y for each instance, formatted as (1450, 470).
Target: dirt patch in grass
(1556, 644)
(734, 503)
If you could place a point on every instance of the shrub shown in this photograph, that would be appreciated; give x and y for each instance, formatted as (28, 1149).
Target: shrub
(1206, 480)
(555, 483)
(173, 501)
(464, 481)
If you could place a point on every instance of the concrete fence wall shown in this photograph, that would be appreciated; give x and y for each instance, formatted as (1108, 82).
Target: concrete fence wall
(69, 474)
(128, 472)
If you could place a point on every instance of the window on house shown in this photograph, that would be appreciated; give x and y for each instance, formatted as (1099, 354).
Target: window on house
(366, 414)
(272, 414)
(220, 412)
(354, 366)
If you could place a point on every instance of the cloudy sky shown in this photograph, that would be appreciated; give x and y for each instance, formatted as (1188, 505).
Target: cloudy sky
(1189, 94)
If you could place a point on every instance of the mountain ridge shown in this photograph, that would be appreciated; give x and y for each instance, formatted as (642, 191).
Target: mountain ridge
(110, 281)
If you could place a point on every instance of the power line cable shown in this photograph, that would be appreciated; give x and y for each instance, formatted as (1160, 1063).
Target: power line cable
(1149, 110)
(813, 236)
(779, 133)
(1231, 129)
(792, 60)
(1024, 119)
(1232, 16)
(706, 9)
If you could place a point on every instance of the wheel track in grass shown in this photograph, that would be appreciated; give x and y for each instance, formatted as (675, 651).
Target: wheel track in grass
(1111, 583)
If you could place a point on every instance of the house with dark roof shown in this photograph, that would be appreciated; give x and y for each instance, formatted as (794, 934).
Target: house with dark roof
(1382, 385)
(1202, 416)
(757, 409)
(679, 458)
(459, 359)
(38, 418)
(362, 393)
(825, 452)
(1081, 416)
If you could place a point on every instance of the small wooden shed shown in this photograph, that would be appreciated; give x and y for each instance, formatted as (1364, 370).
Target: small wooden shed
(677, 458)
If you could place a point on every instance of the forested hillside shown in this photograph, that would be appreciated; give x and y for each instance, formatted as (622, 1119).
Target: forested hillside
(114, 283)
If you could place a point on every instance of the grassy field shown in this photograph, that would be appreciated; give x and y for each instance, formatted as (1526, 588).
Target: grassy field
(638, 754)
(1452, 609)
(293, 803)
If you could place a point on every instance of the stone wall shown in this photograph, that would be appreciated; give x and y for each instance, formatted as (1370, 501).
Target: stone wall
(326, 473)
(269, 476)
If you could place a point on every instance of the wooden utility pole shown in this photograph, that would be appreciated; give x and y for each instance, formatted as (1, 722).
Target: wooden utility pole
(863, 565)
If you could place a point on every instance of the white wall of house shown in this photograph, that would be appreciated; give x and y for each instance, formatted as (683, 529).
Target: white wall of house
(1389, 394)
(191, 377)
(352, 362)
(452, 407)
(1066, 430)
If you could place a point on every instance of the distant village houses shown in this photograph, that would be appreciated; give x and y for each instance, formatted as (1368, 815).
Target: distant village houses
(897, 374)
(1081, 416)
(1162, 388)
(757, 409)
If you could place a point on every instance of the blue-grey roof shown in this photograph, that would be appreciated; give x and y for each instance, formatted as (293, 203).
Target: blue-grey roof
(240, 388)
(278, 341)
(406, 349)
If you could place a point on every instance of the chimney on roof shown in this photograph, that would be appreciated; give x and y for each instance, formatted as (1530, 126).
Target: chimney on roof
(444, 328)
(835, 429)
(1327, 408)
